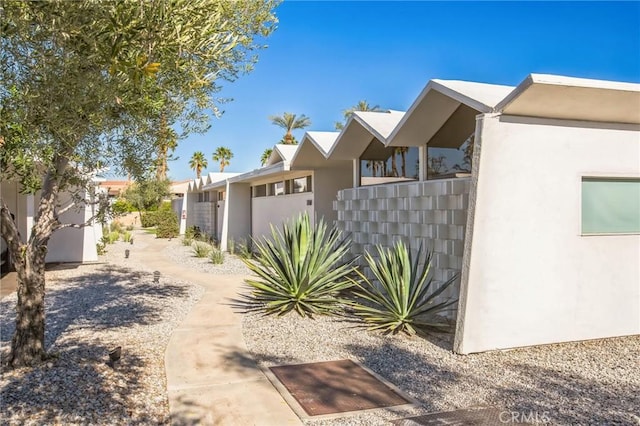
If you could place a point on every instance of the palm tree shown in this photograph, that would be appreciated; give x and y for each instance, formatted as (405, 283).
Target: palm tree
(290, 122)
(198, 162)
(362, 105)
(222, 155)
(265, 156)
(403, 152)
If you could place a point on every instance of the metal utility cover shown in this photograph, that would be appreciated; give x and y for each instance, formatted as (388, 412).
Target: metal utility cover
(331, 387)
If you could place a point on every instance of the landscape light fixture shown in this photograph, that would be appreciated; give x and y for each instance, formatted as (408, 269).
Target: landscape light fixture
(126, 254)
(114, 356)
(156, 276)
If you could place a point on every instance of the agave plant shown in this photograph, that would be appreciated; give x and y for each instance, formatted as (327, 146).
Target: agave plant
(301, 269)
(403, 297)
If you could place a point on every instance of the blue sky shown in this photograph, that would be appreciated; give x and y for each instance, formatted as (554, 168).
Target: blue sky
(326, 56)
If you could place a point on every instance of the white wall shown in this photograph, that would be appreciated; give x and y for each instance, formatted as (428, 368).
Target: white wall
(220, 219)
(17, 204)
(529, 276)
(326, 184)
(276, 210)
(73, 244)
(237, 212)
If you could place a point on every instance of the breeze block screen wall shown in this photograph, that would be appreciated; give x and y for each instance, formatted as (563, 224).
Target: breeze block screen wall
(428, 212)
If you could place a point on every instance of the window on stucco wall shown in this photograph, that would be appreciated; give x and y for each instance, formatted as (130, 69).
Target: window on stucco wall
(610, 205)
(447, 162)
(380, 164)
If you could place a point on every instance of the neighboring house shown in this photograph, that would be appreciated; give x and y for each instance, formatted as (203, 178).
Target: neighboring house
(115, 188)
(65, 245)
(546, 230)
(295, 179)
(198, 206)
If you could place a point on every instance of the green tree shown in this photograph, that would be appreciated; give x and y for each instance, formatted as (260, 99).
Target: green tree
(290, 122)
(147, 194)
(265, 156)
(222, 155)
(198, 162)
(360, 106)
(84, 84)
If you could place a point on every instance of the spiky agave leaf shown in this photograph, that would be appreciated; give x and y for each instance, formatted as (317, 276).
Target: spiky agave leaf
(402, 298)
(301, 269)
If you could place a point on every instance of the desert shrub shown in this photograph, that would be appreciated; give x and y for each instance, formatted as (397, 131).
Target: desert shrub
(129, 228)
(167, 224)
(187, 241)
(192, 232)
(101, 249)
(216, 256)
(403, 297)
(301, 268)
(231, 246)
(127, 237)
(115, 226)
(149, 219)
(244, 249)
(201, 249)
(112, 237)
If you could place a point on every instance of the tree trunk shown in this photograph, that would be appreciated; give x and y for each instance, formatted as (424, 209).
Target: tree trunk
(27, 345)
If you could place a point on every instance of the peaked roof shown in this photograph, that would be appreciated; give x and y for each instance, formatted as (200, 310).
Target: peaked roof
(440, 101)
(361, 129)
(281, 152)
(314, 150)
(479, 96)
(208, 179)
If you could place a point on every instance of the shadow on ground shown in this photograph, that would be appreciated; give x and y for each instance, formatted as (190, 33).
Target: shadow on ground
(86, 316)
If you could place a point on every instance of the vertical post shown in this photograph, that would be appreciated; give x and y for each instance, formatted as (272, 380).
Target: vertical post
(422, 162)
(356, 172)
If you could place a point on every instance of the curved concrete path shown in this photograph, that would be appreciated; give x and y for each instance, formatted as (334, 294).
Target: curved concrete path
(211, 377)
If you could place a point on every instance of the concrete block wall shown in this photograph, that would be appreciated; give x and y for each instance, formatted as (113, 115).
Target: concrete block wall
(433, 213)
(203, 216)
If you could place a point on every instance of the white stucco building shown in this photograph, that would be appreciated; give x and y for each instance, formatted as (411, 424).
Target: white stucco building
(65, 245)
(544, 231)
(530, 194)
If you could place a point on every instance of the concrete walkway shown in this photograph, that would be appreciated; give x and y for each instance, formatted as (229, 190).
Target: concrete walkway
(211, 377)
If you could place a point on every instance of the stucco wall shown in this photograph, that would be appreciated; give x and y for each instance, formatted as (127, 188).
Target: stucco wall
(326, 184)
(276, 210)
(532, 278)
(73, 244)
(427, 212)
(238, 210)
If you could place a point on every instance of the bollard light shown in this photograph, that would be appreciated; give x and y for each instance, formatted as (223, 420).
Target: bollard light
(156, 276)
(126, 254)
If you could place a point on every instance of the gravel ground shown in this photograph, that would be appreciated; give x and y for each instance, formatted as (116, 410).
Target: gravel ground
(587, 383)
(90, 310)
(184, 255)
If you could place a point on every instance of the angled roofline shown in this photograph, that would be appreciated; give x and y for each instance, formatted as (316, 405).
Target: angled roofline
(442, 87)
(311, 136)
(362, 120)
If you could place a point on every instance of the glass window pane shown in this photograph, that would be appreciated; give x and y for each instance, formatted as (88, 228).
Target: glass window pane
(610, 206)
(300, 185)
